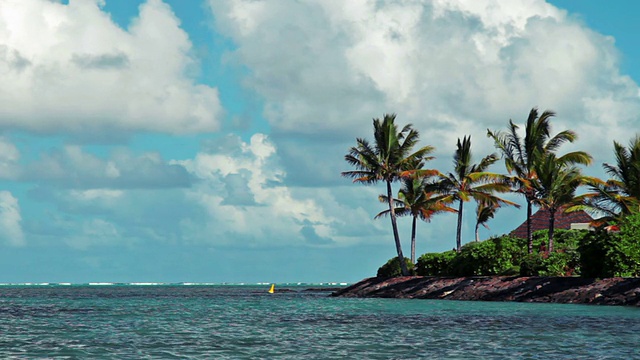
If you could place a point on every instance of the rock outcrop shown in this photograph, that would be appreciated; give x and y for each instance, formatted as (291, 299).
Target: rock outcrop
(568, 290)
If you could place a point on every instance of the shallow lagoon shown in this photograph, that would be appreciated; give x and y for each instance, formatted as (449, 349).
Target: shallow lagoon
(246, 322)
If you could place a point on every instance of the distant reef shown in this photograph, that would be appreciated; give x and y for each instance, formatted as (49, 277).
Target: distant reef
(566, 290)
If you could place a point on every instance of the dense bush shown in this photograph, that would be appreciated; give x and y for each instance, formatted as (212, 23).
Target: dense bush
(611, 255)
(577, 252)
(562, 239)
(435, 264)
(392, 268)
(555, 264)
(592, 250)
(532, 265)
(495, 256)
(564, 261)
(506, 255)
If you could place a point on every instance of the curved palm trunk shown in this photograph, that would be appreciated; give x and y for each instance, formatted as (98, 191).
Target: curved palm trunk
(529, 235)
(459, 230)
(552, 220)
(394, 225)
(477, 232)
(413, 240)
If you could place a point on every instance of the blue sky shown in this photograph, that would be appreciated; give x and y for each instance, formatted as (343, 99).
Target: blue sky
(203, 140)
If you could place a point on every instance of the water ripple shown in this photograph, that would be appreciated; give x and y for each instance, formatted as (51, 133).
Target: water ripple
(235, 323)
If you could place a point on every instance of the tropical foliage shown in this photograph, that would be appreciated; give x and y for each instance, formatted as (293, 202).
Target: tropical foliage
(435, 264)
(534, 170)
(485, 211)
(620, 195)
(418, 201)
(495, 256)
(472, 181)
(611, 254)
(385, 160)
(392, 268)
(506, 255)
(522, 155)
(558, 179)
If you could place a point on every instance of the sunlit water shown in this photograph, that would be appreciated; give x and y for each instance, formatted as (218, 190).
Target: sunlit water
(245, 322)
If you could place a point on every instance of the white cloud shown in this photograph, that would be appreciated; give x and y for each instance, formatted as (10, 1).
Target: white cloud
(276, 214)
(452, 68)
(70, 68)
(449, 67)
(10, 220)
(96, 195)
(9, 156)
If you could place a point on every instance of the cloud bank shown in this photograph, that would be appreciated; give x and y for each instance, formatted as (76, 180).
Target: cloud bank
(320, 70)
(71, 69)
(449, 67)
(10, 220)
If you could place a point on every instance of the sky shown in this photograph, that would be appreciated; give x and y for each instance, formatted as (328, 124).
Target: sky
(203, 141)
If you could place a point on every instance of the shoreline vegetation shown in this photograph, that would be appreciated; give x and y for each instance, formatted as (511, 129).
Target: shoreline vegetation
(534, 289)
(542, 265)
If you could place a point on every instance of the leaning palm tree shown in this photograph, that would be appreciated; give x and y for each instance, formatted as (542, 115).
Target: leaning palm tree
(415, 199)
(472, 181)
(620, 195)
(389, 156)
(522, 154)
(485, 211)
(558, 179)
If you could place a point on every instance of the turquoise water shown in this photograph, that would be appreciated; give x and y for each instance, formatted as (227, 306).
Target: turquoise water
(245, 322)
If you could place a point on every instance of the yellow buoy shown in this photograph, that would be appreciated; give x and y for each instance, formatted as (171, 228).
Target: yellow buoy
(272, 290)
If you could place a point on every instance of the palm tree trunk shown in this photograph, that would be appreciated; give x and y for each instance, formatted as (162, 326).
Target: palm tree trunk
(529, 235)
(396, 236)
(552, 220)
(477, 232)
(413, 240)
(459, 230)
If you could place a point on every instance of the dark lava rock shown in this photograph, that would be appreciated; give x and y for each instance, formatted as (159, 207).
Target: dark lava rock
(567, 290)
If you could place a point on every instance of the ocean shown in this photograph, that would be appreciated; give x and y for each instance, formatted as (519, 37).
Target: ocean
(146, 321)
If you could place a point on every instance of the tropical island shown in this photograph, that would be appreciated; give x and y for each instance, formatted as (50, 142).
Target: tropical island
(535, 263)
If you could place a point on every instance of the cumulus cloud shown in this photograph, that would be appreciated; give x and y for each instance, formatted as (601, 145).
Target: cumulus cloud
(70, 68)
(449, 67)
(248, 203)
(9, 157)
(10, 220)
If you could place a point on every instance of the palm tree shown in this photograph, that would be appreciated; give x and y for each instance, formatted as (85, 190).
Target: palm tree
(620, 195)
(521, 155)
(558, 179)
(472, 181)
(417, 200)
(385, 160)
(485, 211)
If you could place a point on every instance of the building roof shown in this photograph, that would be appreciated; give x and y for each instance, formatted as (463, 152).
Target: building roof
(540, 221)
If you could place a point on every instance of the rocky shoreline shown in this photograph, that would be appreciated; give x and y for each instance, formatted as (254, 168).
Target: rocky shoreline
(567, 290)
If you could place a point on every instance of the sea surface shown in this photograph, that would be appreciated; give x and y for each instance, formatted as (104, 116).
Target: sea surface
(120, 321)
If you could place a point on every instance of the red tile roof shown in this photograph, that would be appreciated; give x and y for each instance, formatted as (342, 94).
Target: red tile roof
(540, 221)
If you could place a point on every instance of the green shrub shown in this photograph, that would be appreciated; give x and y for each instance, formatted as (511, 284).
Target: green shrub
(554, 264)
(392, 268)
(532, 265)
(562, 239)
(506, 255)
(592, 251)
(564, 261)
(495, 256)
(612, 255)
(567, 239)
(623, 257)
(560, 264)
(435, 264)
